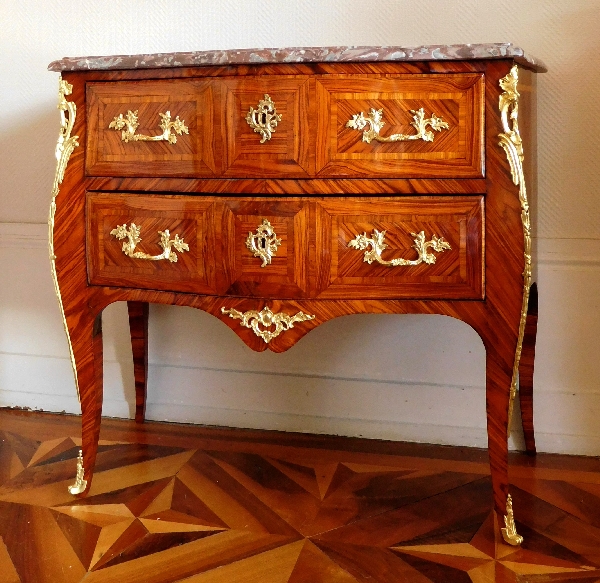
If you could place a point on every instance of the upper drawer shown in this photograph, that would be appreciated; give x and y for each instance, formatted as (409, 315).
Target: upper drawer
(151, 128)
(401, 126)
(267, 126)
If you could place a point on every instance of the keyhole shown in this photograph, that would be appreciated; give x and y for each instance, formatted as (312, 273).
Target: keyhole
(264, 119)
(263, 243)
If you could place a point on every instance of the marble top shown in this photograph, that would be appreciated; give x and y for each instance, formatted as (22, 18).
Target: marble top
(302, 55)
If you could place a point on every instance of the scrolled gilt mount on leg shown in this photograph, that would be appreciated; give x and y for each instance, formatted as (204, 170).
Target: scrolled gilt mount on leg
(512, 144)
(509, 532)
(65, 145)
(377, 246)
(130, 123)
(132, 234)
(253, 320)
(372, 125)
(80, 484)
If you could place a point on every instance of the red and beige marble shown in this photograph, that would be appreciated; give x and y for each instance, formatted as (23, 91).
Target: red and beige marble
(347, 54)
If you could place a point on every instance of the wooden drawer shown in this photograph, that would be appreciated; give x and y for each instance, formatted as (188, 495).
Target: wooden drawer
(410, 247)
(311, 138)
(115, 151)
(113, 218)
(347, 141)
(283, 152)
(214, 257)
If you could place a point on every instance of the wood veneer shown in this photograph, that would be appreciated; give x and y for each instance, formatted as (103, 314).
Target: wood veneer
(526, 367)
(457, 151)
(488, 252)
(313, 259)
(138, 327)
(192, 101)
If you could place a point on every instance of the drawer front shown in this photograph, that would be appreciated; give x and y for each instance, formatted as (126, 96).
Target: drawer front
(265, 245)
(409, 247)
(417, 247)
(267, 126)
(150, 128)
(151, 242)
(434, 122)
(208, 245)
(288, 126)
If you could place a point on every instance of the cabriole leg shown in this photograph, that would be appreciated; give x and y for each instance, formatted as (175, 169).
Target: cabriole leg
(138, 327)
(526, 371)
(87, 350)
(498, 381)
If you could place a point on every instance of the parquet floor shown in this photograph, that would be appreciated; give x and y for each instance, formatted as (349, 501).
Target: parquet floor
(174, 503)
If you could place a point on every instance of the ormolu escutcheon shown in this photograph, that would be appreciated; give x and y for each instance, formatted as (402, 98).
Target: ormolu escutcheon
(264, 242)
(264, 118)
(267, 319)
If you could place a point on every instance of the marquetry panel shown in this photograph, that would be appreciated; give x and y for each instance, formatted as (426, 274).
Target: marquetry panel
(286, 153)
(287, 274)
(187, 217)
(180, 503)
(456, 273)
(454, 152)
(194, 154)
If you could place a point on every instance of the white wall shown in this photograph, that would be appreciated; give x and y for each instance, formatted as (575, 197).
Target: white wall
(360, 375)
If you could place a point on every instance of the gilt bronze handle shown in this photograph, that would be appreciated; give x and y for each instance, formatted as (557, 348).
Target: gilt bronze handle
(132, 234)
(374, 245)
(129, 124)
(372, 124)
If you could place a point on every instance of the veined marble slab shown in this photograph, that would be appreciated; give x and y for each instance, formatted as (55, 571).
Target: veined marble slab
(303, 55)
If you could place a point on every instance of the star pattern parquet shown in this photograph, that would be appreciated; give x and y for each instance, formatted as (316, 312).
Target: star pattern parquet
(213, 510)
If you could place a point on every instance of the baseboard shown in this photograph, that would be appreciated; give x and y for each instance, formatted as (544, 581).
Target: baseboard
(371, 429)
(59, 396)
(547, 251)
(568, 444)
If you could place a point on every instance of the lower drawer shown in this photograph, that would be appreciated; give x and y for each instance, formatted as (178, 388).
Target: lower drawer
(156, 242)
(199, 244)
(409, 247)
(428, 247)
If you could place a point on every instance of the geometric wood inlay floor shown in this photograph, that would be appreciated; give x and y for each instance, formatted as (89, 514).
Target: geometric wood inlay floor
(178, 503)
